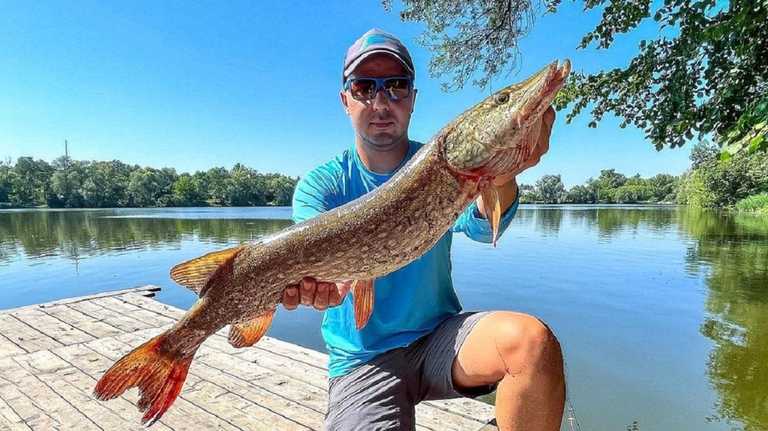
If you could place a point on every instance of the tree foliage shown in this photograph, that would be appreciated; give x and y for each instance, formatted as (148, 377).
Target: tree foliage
(717, 182)
(68, 183)
(469, 36)
(706, 71)
(609, 187)
(550, 189)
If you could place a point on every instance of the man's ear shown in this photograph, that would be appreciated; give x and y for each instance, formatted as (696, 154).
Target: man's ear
(413, 102)
(343, 97)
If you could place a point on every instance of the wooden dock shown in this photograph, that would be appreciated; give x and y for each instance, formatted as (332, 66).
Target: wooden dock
(52, 354)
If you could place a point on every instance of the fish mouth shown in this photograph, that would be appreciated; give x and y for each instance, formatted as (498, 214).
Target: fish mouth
(522, 136)
(536, 100)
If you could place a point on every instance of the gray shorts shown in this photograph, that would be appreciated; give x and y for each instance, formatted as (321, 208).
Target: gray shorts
(382, 394)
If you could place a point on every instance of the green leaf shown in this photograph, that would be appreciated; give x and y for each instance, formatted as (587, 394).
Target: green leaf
(756, 143)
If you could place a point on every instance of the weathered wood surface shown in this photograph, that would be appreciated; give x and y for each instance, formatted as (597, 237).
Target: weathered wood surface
(52, 354)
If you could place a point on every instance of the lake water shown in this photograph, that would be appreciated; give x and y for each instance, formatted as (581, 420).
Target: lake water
(662, 311)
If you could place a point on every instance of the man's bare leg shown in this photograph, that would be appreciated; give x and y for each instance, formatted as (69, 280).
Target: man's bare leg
(520, 353)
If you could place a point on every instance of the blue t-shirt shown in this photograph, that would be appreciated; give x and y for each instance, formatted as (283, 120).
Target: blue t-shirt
(409, 302)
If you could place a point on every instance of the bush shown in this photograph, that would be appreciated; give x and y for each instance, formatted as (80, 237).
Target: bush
(756, 203)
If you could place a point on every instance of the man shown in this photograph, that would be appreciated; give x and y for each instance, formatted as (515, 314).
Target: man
(417, 345)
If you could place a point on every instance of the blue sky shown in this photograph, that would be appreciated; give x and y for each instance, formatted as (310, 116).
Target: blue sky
(192, 85)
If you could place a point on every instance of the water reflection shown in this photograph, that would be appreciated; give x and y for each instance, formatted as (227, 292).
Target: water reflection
(78, 234)
(733, 252)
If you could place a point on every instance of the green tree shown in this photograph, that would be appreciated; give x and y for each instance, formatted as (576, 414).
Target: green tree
(241, 185)
(150, 187)
(581, 195)
(6, 182)
(187, 191)
(663, 187)
(278, 189)
(527, 194)
(706, 69)
(30, 182)
(216, 185)
(106, 184)
(550, 189)
(67, 183)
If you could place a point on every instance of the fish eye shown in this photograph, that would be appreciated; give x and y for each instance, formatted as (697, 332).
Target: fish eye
(502, 98)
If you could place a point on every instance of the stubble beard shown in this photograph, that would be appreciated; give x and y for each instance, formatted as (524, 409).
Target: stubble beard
(384, 143)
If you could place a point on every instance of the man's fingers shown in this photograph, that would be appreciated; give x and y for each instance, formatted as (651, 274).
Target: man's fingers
(321, 296)
(307, 291)
(337, 293)
(291, 297)
(334, 298)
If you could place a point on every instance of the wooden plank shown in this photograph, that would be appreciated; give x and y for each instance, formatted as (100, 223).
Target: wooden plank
(213, 397)
(314, 371)
(60, 331)
(270, 408)
(25, 336)
(144, 291)
(9, 348)
(94, 364)
(61, 411)
(10, 420)
(297, 381)
(89, 364)
(85, 323)
(33, 414)
(275, 385)
(154, 306)
(490, 426)
(127, 309)
(101, 314)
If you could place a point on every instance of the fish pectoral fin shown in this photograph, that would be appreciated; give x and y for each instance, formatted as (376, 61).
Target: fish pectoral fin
(194, 273)
(246, 334)
(492, 206)
(362, 292)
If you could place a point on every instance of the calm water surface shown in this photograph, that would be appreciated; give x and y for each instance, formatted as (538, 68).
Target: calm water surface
(662, 312)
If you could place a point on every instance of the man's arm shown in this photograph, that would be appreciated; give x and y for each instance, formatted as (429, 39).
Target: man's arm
(474, 223)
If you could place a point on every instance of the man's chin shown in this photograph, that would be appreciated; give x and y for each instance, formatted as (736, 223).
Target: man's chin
(383, 141)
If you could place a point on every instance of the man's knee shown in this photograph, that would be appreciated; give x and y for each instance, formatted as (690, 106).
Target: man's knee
(523, 341)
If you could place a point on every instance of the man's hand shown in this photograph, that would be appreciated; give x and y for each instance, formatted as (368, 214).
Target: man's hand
(317, 294)
(506, 185)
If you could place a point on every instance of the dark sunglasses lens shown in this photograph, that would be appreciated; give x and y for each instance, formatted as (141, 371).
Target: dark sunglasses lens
(398, 88)
(362, 89)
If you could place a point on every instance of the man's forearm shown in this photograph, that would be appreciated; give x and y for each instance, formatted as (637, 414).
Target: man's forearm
(507, 195)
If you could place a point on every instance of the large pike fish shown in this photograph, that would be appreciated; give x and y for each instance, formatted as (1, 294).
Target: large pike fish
(362, 240)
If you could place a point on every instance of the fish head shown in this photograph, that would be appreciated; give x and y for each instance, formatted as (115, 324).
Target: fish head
(500, 132)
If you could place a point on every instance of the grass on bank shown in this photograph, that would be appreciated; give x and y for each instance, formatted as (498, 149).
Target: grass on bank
(754, 204)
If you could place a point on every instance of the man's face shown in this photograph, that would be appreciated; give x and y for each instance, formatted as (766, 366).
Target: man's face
(381, 124)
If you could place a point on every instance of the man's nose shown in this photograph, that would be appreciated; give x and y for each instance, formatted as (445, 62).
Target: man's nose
(380, 100)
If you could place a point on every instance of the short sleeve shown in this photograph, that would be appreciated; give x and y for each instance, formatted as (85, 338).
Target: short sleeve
(315, 193)
(477, 228)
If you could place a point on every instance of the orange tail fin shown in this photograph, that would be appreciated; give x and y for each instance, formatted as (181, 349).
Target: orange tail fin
(158, 374)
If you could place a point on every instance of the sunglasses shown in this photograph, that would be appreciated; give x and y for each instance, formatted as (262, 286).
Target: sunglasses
(364, 89)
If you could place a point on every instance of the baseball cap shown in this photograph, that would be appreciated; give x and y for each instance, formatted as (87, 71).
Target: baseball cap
(376, 41)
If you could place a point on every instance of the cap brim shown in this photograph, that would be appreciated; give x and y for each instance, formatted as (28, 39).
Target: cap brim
(352, 66)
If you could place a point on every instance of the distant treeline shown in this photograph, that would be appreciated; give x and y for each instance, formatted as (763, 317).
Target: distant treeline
(609, 187)
(68, 183)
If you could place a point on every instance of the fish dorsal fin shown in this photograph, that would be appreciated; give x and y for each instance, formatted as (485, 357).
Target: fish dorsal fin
(194, 273)
(362, 293)
(246, 334)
